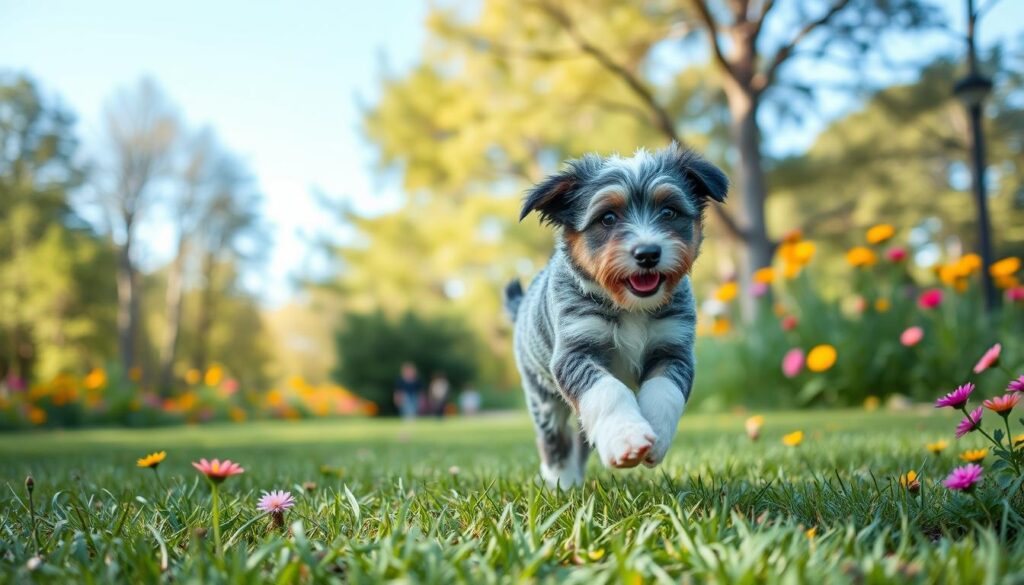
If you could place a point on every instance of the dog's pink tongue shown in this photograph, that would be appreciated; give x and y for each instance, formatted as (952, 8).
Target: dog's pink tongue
(645, 282)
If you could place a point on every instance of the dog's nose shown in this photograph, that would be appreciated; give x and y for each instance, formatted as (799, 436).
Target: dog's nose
(647, 256)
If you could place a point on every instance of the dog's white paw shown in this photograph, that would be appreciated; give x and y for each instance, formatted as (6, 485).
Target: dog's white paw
(662, 404)
(625, 442)
(563, 479)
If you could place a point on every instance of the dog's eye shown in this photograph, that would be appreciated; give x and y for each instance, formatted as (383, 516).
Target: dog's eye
(667, 214)
(609, 219)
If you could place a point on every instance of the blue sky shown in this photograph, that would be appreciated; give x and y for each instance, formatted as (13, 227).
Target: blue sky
(278, 81)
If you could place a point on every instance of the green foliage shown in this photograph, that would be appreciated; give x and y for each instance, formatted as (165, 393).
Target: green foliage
(383, 507)
(371, 347)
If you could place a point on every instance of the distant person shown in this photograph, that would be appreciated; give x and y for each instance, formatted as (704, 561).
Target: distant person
(469, 402)
(408, 389)
(438, 393)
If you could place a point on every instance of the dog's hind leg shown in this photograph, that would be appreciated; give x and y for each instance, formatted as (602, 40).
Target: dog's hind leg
(563, 449)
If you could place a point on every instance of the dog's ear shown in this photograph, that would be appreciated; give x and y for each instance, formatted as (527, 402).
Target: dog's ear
(705, 179)
(556, 197)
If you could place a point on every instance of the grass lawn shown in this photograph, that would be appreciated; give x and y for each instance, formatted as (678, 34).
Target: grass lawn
(459, 500)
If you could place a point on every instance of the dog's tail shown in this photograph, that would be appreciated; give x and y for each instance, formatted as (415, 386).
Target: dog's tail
(513, 297)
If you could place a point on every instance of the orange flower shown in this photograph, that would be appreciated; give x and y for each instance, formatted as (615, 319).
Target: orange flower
(793, 439)
(974, 456)
(970, 263)
(721, 326)
(882, 305)
(803, 252)
(214, 375)
(764, 276)
(36, 415)
(880, 233)
(152, 460)
(727, 292)
(860, 256)
(910, 481)
(821, 358)
(1002, 404)
(1005, 267)
(96, 379)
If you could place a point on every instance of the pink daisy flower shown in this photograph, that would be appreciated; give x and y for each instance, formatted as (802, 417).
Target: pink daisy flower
(793, 362)
(912, 336)
(957, 398)
(896, 254)
(1016, 385)
(275, 502)
(969, 424)
(1015, 294)
(991, 358)
(930, 299)
(218, 471)
(963, 478)
(1002, 404)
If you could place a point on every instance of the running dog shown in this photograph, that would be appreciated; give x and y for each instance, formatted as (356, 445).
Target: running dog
(613, 309)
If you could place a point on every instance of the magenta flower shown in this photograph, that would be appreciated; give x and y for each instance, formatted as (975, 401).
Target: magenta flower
(793, 362)
(896, 254)
(930, 299)
(1015, 294)
(912, 336)
(957, 398)
(275, 502)
(969, 424)
(758, 290)
(1016, 385)
(963, 478)
(991, 358)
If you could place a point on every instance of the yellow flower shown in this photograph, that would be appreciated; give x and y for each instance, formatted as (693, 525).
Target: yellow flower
(793, 439)
(36, 415)
(880, 233)
(721, 326)
(882, 305)
(860, 256)
(790, 270)
(821, 358)
(193, 376)
(95, 379)
(952, 274)
(1006, 282)
(811, 532)
(803, 252)
(908, 478)
(938, 446)
(753, 426)
(152, 460)
(214, 375)
(1005, 267)
(764, 276)
(974, 456)
(727, 292)
(970, 263)
(1018, 439)
(871, 403)
(596, 555)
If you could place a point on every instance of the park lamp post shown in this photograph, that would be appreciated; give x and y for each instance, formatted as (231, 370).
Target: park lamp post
(971, 90)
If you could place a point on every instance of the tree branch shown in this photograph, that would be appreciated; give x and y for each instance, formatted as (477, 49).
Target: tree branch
(662, 120)
(712, 32)
(763, 80)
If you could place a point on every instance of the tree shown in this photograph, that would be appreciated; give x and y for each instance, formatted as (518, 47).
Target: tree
(518, 84)
(142, 130)
(52, 296)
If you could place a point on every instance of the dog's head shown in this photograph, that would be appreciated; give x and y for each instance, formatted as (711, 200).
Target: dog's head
(632, 226)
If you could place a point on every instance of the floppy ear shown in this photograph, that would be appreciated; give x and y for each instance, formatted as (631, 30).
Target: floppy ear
(555, 197)
(705, 179)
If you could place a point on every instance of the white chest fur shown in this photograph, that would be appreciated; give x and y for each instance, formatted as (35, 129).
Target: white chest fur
(633, 337)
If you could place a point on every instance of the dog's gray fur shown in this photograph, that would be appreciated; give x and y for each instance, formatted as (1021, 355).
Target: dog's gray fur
(577, 330)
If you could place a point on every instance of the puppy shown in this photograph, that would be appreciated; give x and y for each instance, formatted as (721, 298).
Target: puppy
(613, 309)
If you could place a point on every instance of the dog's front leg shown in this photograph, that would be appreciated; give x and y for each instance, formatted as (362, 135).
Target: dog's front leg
(662, 399)
(607, 409)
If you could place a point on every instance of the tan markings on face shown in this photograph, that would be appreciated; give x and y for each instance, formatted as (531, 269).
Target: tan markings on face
(579, 253)
(607, 199)
(663, 193)
(613, 268)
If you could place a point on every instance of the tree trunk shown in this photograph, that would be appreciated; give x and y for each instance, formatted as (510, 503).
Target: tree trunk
(175, 298)
(127, 306)
(746, 136)
(206, 312)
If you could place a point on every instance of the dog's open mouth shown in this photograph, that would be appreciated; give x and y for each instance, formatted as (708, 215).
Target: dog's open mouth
(644, 284)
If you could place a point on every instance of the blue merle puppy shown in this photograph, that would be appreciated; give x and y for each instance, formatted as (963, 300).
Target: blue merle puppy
(613, 309)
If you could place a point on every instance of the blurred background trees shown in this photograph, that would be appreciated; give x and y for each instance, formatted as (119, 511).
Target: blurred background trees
(132, 255)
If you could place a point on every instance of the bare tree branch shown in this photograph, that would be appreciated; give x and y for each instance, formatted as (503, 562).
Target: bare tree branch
(712, 32)
(662, 120)
(766, 7)
(762, 80)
